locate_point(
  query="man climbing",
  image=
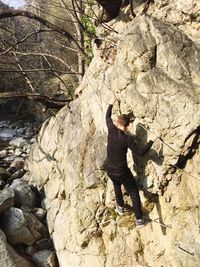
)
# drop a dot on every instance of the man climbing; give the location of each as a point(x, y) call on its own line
point(116, 164)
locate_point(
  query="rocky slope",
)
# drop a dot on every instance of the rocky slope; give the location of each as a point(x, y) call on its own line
point(152, 64)
point(24, 238)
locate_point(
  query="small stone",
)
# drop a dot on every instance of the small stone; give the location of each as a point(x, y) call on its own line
point(28, 150)
point(21, 130)
point(168, 199)
point(3, 153)
point(18, 142)
point(10, 158)
point(45, 258)
point(18, 152)
point(11, 152)
point(40, 213)
point(27, 147)
point(33, 140)
point(7, 197)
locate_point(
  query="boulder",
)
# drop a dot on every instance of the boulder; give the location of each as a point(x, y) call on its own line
point(22, 228)
point(9, 257)
point(23, 192)
point(7, 198)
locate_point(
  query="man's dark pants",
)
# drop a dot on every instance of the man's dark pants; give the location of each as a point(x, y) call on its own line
point(128, 181)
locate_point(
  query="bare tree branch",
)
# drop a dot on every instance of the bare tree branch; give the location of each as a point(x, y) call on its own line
point(64, 46)
point(46, 55)
point(24, 13)
point(28, 81)
point(51, 15)
point(22, 41)
point(48, 62)
point(80, 35)
point(39, 70)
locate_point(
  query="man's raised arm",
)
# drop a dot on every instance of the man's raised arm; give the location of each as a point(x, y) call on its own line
point(109, 121)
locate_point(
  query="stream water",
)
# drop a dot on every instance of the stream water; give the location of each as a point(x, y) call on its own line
point(10, 129)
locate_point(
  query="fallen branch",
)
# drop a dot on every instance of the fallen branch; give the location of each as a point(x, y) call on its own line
point(45, 100)
point(39, 70)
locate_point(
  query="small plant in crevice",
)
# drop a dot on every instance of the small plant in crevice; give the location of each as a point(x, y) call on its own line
point(113, 213)
point(113, 235)
point(87, 22)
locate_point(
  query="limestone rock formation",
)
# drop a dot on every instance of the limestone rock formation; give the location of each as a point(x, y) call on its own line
point(152, 64)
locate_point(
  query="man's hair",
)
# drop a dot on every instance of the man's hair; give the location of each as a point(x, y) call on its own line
point(123, 120)
point(126, 119)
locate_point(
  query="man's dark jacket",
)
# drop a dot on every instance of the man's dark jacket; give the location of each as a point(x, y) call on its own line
point(117, 146)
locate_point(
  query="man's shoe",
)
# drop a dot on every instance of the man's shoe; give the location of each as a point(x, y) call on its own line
point(119, 209)
point(142, 222)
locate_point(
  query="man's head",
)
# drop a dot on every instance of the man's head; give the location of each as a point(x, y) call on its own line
point(123, 120)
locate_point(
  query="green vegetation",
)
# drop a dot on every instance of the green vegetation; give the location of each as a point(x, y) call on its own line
point(112, 235)
point(87, 22)
point(113, 213)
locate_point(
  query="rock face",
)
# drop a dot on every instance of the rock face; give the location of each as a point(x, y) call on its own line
point(153, 67)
